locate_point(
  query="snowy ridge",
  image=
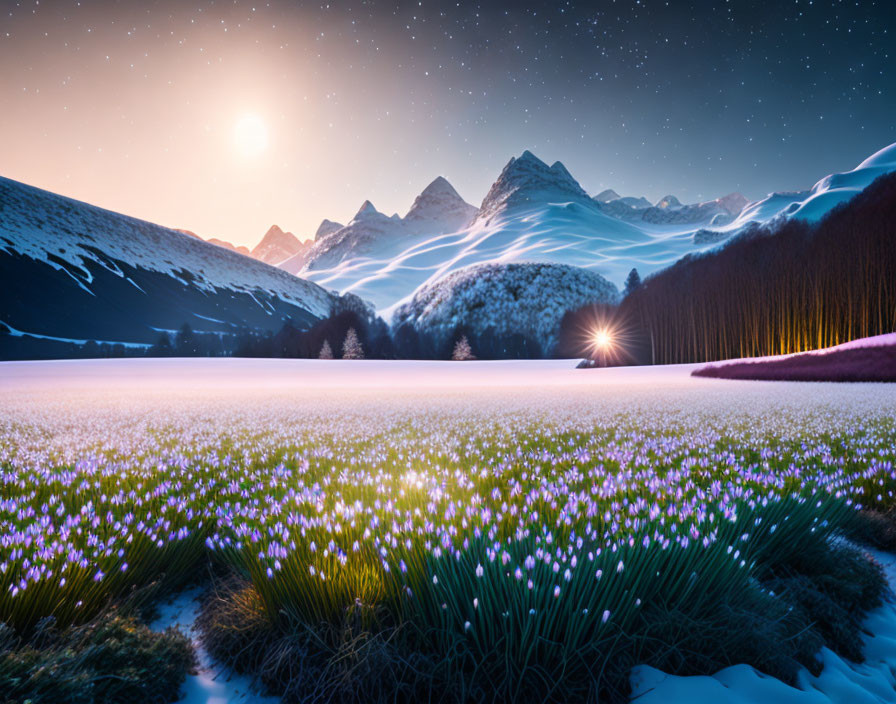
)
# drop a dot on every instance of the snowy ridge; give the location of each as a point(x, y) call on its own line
point(521, 298)
point(66, 234)
point(824, 195)
point(536, 212)
point(439, 209)
point(671, 211)
point(714, 212)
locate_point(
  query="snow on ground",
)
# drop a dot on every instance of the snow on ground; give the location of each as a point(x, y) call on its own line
point(219, 374)
point(211, 684)
point(871, 682)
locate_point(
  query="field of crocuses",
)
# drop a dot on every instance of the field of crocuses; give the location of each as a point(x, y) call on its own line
point(531, 540)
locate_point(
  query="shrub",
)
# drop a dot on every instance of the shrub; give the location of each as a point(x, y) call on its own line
point(112, 659)
point(357, 658)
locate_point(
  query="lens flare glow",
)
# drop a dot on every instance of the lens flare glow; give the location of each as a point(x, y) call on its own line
point(603, 339)
point(251, 135)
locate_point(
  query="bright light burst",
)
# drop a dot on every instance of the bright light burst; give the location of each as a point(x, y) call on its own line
point(603, 339)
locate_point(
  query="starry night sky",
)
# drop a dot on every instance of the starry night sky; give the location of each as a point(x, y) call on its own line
point(132, 106)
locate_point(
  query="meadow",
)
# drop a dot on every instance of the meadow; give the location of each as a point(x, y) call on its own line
point(505, 532)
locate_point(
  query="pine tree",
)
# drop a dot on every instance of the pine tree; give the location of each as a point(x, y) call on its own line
point(462, 351)
point(632, 283)
point(351, 348)
point(326, 352)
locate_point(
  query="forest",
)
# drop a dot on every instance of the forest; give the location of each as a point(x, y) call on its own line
point(787, 287)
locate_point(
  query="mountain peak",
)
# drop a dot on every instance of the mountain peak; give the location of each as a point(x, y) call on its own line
point(606, 196)
point(440, 185)
point(529, 156)
point(669, 201)
point(325, 228)
point(559, 168)
point(440, 203)
point(276, 245)
point(276, 236)
point(733, 202)
point(527, 179)
point(366, 209)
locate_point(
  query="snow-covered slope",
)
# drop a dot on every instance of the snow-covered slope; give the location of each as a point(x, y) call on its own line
point(533, 212)
point(827, 193)
point(509, 299)
point(437, 210)
point(72, 270)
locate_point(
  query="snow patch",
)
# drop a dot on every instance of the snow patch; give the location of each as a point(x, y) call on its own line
point(212, 683)
point(840, 681)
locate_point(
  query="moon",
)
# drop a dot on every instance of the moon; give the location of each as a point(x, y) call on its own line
point(250, 135)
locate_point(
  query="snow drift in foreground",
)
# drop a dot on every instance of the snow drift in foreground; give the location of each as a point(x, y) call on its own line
point(871, 682)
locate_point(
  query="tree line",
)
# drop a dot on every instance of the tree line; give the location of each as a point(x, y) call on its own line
point(788, 287)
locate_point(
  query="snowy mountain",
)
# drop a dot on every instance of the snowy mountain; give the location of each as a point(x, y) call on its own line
point(526, 299)
point(437, 210)
point(721, 211)
point(536, 212)
point(73, 271)
point(277, 246)
point(606, 196)
point(527, 181)
point(669, 201)
point(532, 212)
point(670, 211)
point(639, 203)
point(326, 227)
point(361, 236)
point(827, 193)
